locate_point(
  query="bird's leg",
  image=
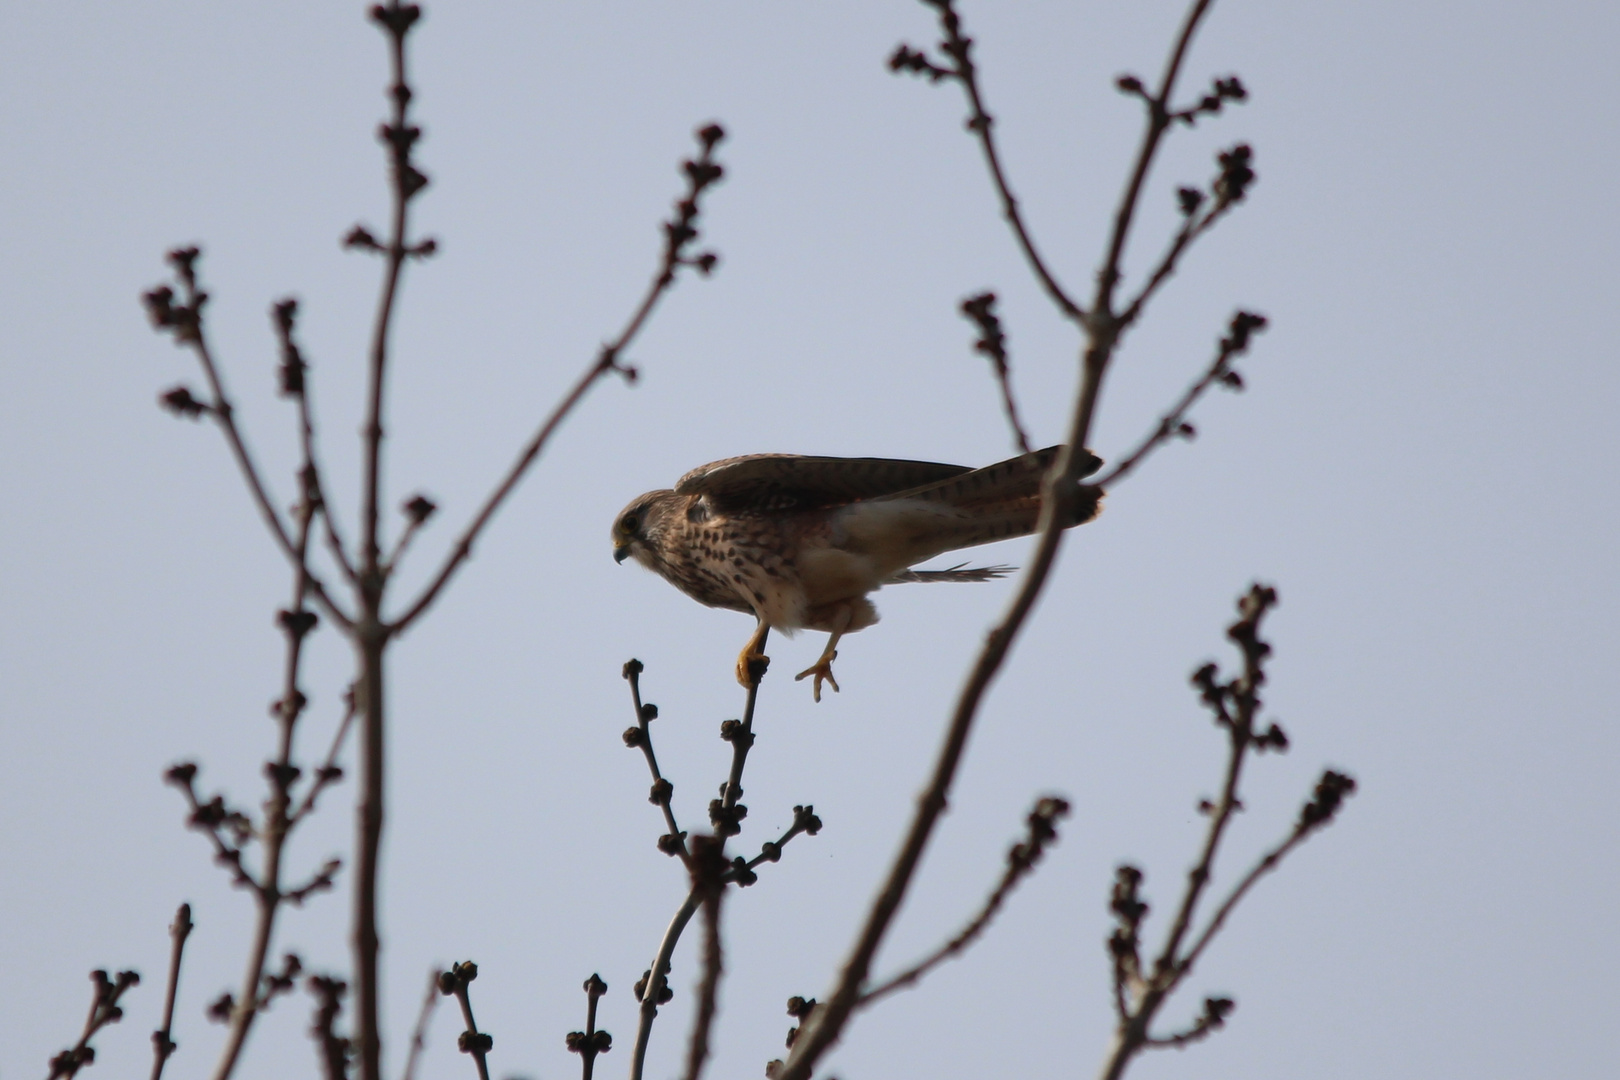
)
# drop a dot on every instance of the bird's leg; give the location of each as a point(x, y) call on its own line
point(822, 668)
point(753, 654)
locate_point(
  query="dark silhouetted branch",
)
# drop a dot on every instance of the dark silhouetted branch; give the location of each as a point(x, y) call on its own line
point(1021, 859)
point(163, 1044)
point(1174, 424)
point(471, 1040)
point(680, 232)
point(590, 1042)
point(959, 67)
point(639, 737)
point(1059, 489)
point(1235, 706)
point(104, 1010)
point(981, 309)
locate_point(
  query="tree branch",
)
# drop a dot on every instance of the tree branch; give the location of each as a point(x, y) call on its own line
point(961, 69)
point(471, 1041)
point(590, 1042)
point(1021, 860)
point(672, 842)
point(104, 1010)
point(1061, 483)
point(679, 234)
point(163, 1044)
point(1173, 424)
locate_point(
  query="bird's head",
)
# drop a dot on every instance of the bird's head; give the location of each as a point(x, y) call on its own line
point(638, 526)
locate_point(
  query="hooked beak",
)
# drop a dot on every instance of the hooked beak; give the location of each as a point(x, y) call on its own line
point(621, 552)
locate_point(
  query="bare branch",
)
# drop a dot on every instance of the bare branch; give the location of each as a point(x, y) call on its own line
point(185, 321)
point(709, 871)
point(1331, 790)
point(993, 344)
point(672, 842)
point(471, 1041)
point(1216, 1010)
point(1060, 487)
point(335, 1049)
point(104, 1010)
point(804, 821)
point(1173, 424)
point(590, 1042)
point(329, 772)
point(430, 1002)
point(679, 234)
point(163, 1044)
point(295, 384)
point(1021, 859)
point(960, 67)
point(652, 989)
point(1230, 187)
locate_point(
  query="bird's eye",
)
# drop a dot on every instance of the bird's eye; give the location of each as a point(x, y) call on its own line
point(629, 523)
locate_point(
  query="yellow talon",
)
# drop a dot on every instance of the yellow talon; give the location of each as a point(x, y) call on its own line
point(752, 656)
point(821, 670)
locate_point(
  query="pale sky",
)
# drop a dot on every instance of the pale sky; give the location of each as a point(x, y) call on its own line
point(1424, 466)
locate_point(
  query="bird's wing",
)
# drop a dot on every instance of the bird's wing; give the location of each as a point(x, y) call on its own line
point(1016, 478)
point(762, 482)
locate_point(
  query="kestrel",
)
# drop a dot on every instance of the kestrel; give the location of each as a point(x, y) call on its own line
point(799, 542)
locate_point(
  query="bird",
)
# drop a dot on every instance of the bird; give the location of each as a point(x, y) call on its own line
point(800, 542)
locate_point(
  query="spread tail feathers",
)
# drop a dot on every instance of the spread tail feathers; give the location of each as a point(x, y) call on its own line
point(955, 573)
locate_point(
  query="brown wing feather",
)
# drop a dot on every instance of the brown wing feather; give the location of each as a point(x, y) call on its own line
point(795, 481)
point(1016, 478)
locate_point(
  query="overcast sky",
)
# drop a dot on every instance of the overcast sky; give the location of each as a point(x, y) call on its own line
point(1424, 465)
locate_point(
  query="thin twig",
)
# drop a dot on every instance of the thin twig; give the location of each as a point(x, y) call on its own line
point(1235, 705)
point(185, 321)
point(104, 1010)
point(1173, 424)
point(1060, 487)
point(329, 772)
point(959, 49)
point(981, 309)
point(471, 1041)
point(679, 234)
point(672, 842)
point(296, 623)
point(1021, 859)
point(804, 821)
point(1336, 785)
point(590, 1042)
point(725, 813)
point(295, 383)
point(430, 1002)
point(163, 1044)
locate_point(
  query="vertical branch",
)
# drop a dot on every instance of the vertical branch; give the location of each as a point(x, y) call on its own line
point(709, 868)
point(371, 632)
point(590, 1042)
point(163, 1044)
point(471, 1041)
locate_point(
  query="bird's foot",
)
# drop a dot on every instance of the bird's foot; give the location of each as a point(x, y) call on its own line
point(751, 665)
point(822, 669)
